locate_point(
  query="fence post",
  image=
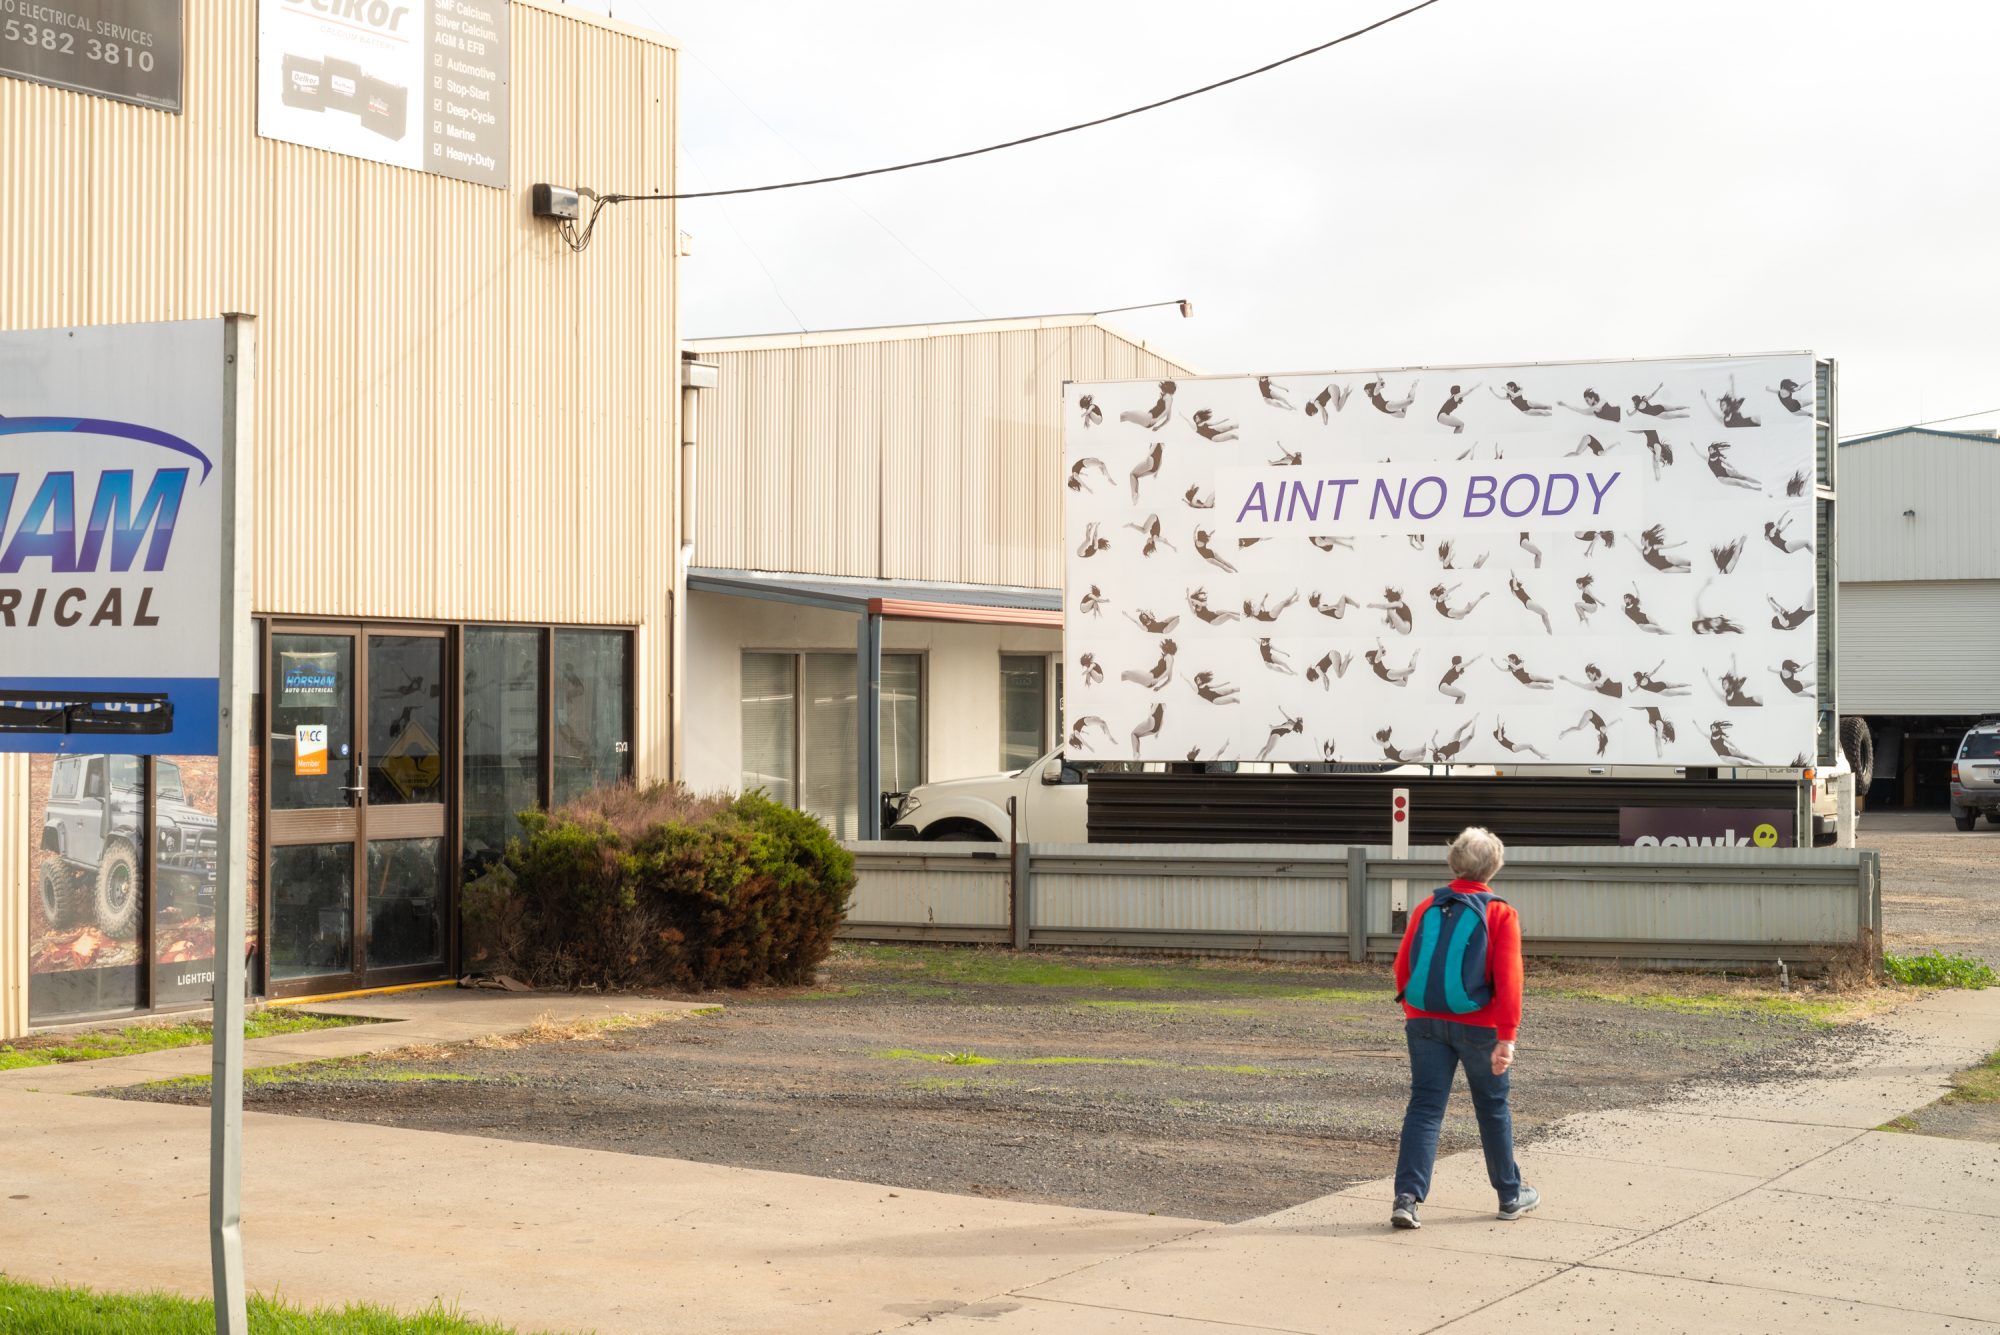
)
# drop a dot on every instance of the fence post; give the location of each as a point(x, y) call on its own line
point(1874, 863)
point(1357, 903)
point(1024, 893)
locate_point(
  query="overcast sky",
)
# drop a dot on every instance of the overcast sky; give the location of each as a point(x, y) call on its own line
point(1485, 181)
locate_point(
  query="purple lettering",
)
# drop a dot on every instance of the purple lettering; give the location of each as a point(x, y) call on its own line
point(1418, 486)
point(1549, 496)
point(1534, 494)
point(1340, 495)
point(1299, 501)
point(1255, 501)
point(1475, 491)
point(1597, 493)
point(1381, 499)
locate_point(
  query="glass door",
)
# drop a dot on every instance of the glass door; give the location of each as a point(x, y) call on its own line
point(358, 780)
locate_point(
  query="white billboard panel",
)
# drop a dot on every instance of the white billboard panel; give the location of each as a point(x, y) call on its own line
point(1582, 563)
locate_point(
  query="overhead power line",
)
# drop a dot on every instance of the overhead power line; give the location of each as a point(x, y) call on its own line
point(1932, 421)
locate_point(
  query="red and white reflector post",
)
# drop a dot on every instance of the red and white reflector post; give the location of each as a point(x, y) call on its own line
point(1399, 847)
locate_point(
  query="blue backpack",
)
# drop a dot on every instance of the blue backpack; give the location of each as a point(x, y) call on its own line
point(1449, 974)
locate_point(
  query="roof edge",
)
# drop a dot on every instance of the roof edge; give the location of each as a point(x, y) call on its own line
point(1919, 431)
point(595, 20)
point(882, 333)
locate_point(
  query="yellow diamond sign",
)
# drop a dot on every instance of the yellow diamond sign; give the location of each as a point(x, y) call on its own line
point(413, 762)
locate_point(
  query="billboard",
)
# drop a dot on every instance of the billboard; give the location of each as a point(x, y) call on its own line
point(1582, 563)
point(1706, 827)
point(413, 83)
point(112, 481)
point(128, 50)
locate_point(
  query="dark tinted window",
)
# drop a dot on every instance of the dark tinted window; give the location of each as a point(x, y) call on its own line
point(1980, 746)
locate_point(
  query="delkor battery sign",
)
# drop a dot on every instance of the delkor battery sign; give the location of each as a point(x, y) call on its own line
point(1583, 563)
point(111, 503)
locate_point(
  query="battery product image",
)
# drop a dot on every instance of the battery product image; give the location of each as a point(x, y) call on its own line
point(384, 108)
point(343, 85)
point(305, 83)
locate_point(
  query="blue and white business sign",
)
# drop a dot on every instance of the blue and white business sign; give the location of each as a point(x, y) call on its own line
point(111, 542)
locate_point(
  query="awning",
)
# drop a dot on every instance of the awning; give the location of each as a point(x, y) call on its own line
point(897, 600)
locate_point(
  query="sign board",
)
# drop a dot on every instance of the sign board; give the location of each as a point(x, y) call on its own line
point(1583, 563)
point(1706, 827)
point(309, 751)
point(413, 762)
point(112, 483)
point(128, 50)
point(308, 680)
point(410, 83)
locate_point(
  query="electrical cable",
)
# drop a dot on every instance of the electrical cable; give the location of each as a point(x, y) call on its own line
point(603, 200)
point(1932, 421)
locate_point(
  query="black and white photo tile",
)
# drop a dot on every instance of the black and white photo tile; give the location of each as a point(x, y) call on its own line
point(1686, 637)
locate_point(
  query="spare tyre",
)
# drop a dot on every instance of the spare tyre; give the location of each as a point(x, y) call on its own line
point(1858, 745)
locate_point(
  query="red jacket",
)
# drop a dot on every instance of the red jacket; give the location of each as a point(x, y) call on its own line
point(1503, 955)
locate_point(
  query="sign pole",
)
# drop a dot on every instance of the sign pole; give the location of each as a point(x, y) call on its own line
point(225, 1130)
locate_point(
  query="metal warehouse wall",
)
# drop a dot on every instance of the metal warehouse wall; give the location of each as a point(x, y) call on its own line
point(910, 453)
point(1951, 481)
point(1920, 648)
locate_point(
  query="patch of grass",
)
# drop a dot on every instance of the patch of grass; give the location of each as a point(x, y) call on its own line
point(334, 1070)
point(1938, 969)
point(588, 1029)
point(1006, 969)
point(1783, 1006)
point(132, 1039)
point(31, 1309)
point(1979, 1084)
point(945, 1084)
point(974, 1059)
point(1201, 1008)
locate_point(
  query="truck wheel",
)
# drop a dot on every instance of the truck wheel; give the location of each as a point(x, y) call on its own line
point(65, 902)
point(1859, 746)
point(961, 835)
point(1965, 822)
point(118, 891)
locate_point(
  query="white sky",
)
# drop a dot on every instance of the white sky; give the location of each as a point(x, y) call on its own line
point(1486, 181)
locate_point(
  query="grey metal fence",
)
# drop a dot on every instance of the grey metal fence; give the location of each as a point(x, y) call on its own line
point(1686, 906)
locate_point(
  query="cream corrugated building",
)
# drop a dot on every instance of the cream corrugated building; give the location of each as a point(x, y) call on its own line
point(466, 470)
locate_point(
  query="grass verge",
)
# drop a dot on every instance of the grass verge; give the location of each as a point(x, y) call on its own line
point(31, 1309)
point(974, 1059)
point(1940, 970)
point(1975, 1084)
point(132, 1039)
point(334, 1070)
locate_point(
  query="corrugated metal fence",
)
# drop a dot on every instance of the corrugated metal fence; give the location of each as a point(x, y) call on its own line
point(1687, 906)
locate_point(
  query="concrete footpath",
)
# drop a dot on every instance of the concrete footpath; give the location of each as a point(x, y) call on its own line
point(1730, 1210)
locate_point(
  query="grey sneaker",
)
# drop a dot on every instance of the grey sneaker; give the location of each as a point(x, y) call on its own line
point(1405, 1213)
point(1521, 1204)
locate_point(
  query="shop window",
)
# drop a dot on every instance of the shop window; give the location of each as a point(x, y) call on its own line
point(503, 739)
point(591, 689)
point(770, 726)
point(1024, 709)
point(86, 919)
point(799, 730)
point(902, 722)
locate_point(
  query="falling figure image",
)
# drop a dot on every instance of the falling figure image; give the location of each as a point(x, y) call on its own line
point(1150, 727)
point(1590, 445)
point(1151, 528)
point(1197, 499)
point(1092, 603)
point(1330, 749)
point(1596, 723)
point(1275, 659)
point(1643, 404)
point(1788, 394)
point(1796, 484)
point(1518, 748)
point(1712, 625)
point(1447, 554)
point(1157, 416)
point(1727, 555)
point(1215, 692)
point(1376, 390)
point(1207, 553)
point(1520, 593)
point(1263, 611)
point(1730, 688)
point(1650, 682)
point(1519, 670)
point(1728, 408)
point(1445, 754)
point(1726, 472)
point(1092, 414)
point(1662, 452)
point(1331, 607)
point(1328, 544)
point(1198, 604)
point(1331, 664)
point(1788, 618)
point(1093, 671)
point(1654, 550)
point(1531, 550)
point(1594, 406)
point(1636, 614)
point(1448, 683)
point(1274, 395)
point(1394, 676)
point(1145, 468)
point(1152, 624)
point(1441, 599)
point(1279, 731)
point(1079, 730)
point(1395, 612)
point(1077, 482)
point(1788, 673)
point(1593, 540)
point(1285, 459)
point(1516, 396)
point(1210, 427)
point(1384, 736)
point(1092, 544)
point(1587, 601)
point(1595, 680)
point(1718, 737)
point(1774, 533)
point(1316, 406)
point(1162, 672)
point(1662, 726)
point(1447, 414)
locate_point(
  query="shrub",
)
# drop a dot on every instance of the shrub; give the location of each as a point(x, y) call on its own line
point(656, 887)
point(1940, 970)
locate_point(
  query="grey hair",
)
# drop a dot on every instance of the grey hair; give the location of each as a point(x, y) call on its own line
point(1476, 855)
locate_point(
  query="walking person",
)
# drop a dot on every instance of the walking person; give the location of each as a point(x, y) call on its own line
point(1458, 975)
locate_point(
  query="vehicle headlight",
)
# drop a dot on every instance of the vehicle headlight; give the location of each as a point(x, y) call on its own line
point(907, 805)
point(170, 840)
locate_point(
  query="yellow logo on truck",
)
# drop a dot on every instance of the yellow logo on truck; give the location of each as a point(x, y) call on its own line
point(1765, 836)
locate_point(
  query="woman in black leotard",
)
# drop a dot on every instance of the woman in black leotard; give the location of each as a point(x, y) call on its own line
point(1198, 604)
point(1587, 601)
point(1712, 625)
point(1518, 670)
point(1516, 396)
point(1448, 684)
point(1788, 394)
point(1728, 408)
point(1730, 688)
point(1500, 736)
point(1445, 754)
point(1447, 414)
point(1663, 727)
point(1520, 592)
point(1725, 472)
point(1643, 403)
point(1588, 445)
point(1774, 533)
point(1316, 406)
point(1594, 406)
point(1156, 417)
point(1595, 680)
point(1662, 452)
point(1383, 735)
point(1375, 390)
point(1273, 394)
point(1441, 599)
point(1654, 550)
point(1332, 664)
point(1395, 611)
point(1094, 415)
point(1331, 607)
point(1650, 682)
point(1209, 427)
point(1636, 614)
point(1093, 671)
point(1597, 723)
point(1788, 673)
point(1787, 618)
point(1394, 676)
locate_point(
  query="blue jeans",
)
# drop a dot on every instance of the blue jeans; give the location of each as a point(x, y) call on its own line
point(1437, 1047)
